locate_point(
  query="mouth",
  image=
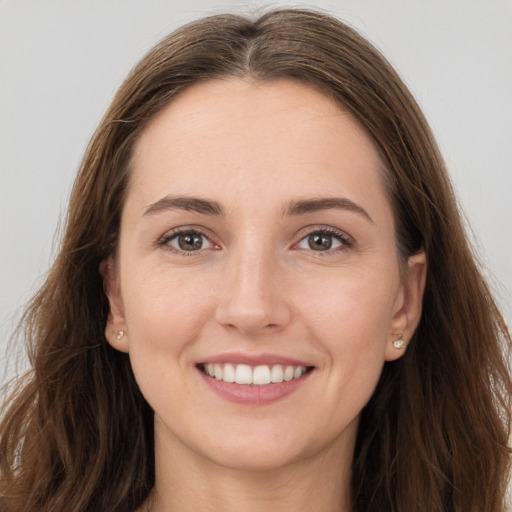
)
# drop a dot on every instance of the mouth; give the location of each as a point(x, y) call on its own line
point(260, 375)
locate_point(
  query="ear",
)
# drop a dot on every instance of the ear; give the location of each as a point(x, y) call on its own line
point(407, 314)
point(115, 330)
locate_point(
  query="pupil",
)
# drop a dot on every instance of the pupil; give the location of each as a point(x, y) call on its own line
point(320, 242)
point(190, 242)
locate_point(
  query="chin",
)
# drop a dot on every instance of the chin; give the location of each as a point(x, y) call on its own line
point(253, 459)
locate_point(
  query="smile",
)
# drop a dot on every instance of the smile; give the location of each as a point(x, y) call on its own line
point(260, 375)
point(254, 380)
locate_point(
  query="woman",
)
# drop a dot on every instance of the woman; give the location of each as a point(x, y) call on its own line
point(264, 232)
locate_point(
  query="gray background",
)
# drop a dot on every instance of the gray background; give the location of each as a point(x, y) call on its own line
point(61, 62)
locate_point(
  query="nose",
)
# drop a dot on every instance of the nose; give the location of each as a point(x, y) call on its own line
point(253, 299)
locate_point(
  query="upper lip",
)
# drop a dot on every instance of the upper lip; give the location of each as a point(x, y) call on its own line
point(253, 359)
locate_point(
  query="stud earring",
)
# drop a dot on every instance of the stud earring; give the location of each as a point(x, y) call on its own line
point(400, 342)
point(118, 334)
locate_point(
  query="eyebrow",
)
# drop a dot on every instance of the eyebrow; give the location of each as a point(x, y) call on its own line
point(328, 203)
point(194, 204)
point(294, 208)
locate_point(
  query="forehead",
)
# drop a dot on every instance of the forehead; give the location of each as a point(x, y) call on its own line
point(240, 133)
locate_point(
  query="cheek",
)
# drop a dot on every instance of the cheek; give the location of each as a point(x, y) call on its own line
point(353, 302)
point(349, 318)
point(164, 314)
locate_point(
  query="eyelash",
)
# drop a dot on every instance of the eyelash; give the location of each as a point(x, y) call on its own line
point(345, 240)
point(169, 236)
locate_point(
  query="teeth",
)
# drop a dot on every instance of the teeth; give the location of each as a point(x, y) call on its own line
point(296, 374)
point(259, 375)
point(276, 374)
point(243, 374)
point(229, 373)
point(288, 373)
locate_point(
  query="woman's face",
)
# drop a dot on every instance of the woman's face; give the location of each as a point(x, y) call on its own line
point(257, 243)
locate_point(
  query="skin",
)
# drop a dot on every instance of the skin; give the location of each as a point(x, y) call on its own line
point(257, 286)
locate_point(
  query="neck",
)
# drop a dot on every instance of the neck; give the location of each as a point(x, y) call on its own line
point(186, 481)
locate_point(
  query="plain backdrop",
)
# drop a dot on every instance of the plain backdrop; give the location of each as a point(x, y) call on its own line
point(61, 62)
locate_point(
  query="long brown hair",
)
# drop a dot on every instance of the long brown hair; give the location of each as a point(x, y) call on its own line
point(76, 433)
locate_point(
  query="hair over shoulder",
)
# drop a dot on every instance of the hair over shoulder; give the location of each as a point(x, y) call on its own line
point(77, 435)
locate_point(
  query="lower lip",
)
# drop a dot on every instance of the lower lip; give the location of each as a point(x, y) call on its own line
point(251, 394)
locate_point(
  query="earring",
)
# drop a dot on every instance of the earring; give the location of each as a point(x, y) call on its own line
point(400, 342)
point(118, 334)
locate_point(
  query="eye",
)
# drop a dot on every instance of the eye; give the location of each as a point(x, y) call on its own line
point(188, 241)
point(323, 241)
